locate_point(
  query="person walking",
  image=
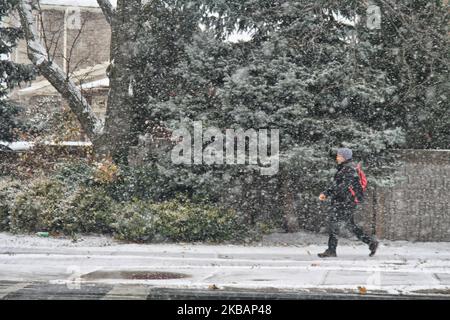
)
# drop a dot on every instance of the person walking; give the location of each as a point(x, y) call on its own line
point(343, 204)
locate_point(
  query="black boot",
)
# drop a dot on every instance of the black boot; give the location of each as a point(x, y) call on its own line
point(373, 246)
point(327, 254)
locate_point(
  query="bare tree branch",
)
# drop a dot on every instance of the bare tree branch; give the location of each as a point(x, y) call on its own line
point(92, 125)
point(43, 33)
point(72, 47)
point(107, 9)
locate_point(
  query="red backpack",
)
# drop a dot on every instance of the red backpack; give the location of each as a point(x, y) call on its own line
point(360, 185)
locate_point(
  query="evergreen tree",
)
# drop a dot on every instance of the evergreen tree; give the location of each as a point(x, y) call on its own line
point(11, 74)
point(413, 52)
point(165, 28)
point(300, 74)
point(312, 69)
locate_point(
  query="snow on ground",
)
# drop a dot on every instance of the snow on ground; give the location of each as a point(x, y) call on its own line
point(102, 83)
point(303, 238)
point(32, 241)
point(286, 262)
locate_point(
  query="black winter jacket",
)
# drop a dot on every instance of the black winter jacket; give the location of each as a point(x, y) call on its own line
point(343, 180)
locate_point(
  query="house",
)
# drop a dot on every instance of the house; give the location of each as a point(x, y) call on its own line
point(77, 37)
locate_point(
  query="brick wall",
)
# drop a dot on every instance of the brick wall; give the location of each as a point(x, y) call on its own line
point(418, 208)
point(93, 45)
point(92, 34)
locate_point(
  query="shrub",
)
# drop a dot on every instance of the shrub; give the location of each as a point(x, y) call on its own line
point(50, 205)
point(57, 207)
point(8, 190)
point(182, 220)
point(90, 210)
point(136, 222)
point(157, 183)
point(177, 220)
point(106, 172)
point(38, 207)
point(144, 183)
point(75, 173)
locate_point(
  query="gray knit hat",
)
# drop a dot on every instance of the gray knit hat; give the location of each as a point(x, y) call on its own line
point(346, 153)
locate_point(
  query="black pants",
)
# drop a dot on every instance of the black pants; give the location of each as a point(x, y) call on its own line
point(343, 213)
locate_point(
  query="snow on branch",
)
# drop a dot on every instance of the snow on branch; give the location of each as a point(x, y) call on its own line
point(90, 123)
point(107, 9)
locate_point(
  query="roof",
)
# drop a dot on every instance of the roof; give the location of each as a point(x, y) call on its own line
point(93, 77)
point(75, 3)
point(102, 83)
point(26, 145)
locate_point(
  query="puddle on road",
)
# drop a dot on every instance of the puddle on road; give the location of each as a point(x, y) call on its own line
point(133, 275)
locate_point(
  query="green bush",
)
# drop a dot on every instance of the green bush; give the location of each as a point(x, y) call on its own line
point(38, 207)
point(90, 210)
point(136, 222)
point(177, 220)
point(153, 183)
point(144, 183)
point(75, 173)
point(50, 205)
point(182, 220)
point(8, 190)
point(57, 207)
point(156, 183)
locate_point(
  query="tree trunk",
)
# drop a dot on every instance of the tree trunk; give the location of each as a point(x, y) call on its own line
point(115, 138)
point(118, 136)
point(91, 125)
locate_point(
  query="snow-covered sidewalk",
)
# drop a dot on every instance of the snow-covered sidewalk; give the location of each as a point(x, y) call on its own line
point(281, 262)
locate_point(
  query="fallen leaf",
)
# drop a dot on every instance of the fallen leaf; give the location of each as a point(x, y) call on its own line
point(362, 290)
point(213, 287)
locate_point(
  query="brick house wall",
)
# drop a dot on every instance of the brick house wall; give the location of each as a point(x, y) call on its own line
point(418, 207)
point(64, 26)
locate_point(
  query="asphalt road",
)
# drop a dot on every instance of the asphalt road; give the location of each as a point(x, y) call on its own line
point(33, 268)
point(47, 291)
